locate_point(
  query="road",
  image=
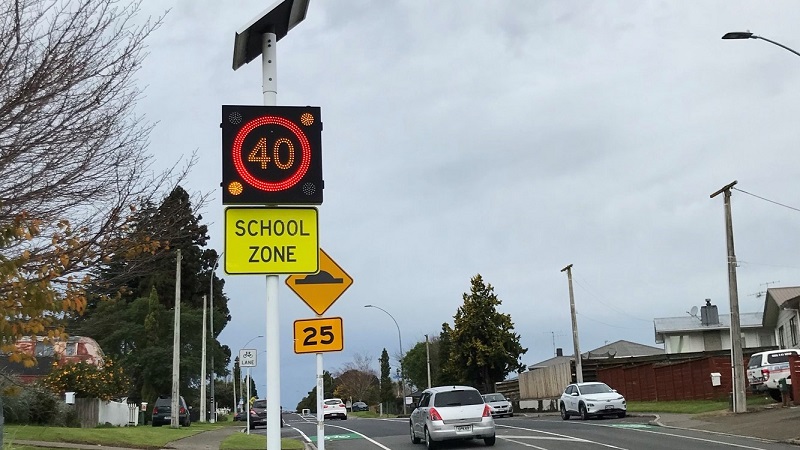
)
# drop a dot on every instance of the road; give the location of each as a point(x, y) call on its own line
point(521, 433)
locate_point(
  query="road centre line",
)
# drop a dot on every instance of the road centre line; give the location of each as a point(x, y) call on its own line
point(559, 436)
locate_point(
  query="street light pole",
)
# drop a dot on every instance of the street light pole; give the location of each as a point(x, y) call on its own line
point(211, 327)
point(749, 35)
point(400, 338)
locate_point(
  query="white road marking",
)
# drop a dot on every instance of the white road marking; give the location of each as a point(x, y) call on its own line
point(554, 436)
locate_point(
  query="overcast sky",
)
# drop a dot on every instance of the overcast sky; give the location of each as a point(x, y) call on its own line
point(507, 139)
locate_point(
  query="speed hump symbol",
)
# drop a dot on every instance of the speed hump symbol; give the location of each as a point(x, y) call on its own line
point(320, 290)
point(324, 334)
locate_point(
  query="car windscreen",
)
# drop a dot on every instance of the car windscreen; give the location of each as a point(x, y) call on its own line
point(333, 402)
point(595, 389)
point(260, 404)
point(494, 397)
point(458, 398)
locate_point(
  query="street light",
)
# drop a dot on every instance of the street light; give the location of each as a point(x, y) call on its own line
point(211, 327)
point(749, 35)
point(402, 374)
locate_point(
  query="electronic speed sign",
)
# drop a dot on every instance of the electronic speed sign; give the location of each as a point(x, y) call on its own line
point(271, 155)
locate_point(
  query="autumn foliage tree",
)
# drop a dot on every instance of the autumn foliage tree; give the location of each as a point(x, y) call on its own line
point(88, 380)
point(73, 159)
point(357, 380)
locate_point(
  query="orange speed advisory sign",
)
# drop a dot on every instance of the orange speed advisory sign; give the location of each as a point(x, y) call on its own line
point(323, 334)
point(320, 290)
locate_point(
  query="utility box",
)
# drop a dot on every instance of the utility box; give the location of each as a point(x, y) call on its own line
point(716, 378)
point(69, 398)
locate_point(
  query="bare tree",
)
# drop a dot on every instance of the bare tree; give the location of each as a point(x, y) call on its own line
point(73, 159)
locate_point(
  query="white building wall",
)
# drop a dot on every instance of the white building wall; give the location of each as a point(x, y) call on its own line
point(686, 343)
point(785, 320)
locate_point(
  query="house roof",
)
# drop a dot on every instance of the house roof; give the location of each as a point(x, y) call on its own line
point(622, 349)
point(778, 299)
point(618, 349)
point(673, 325)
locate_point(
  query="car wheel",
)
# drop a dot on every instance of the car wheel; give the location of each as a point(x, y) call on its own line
point(775, 394)
point(564, 413)
point(414, 438)
point(489, 441)
point(430, 444)
point(621, 415)
point(511, 414)
point(584, 413)
point(344, 418)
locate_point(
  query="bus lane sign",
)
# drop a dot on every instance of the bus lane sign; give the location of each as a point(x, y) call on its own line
point(264, 240)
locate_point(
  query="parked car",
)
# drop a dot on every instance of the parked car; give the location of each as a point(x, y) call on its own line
point(334, 407)
point(258, 414)
point(162, 412)
point(765, 369)
point(360, 406)
point(451, 412)
point(500, 407)
point(591, 399)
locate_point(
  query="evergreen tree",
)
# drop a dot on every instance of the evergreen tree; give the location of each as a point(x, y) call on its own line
point(140, 286)
point(484, 348)
point(310, 400)
point(415, 364)
point(386, 390)
point(448, 372)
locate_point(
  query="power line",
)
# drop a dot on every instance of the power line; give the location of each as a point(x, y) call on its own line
point(597, 297)
point(766, 199)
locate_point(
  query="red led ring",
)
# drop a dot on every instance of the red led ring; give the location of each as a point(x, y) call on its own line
point(266, 185)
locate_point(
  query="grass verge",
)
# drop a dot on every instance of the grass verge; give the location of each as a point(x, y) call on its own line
point(134, 437)
point(242, 441)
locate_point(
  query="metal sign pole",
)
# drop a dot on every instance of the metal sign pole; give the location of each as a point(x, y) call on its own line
point(320, 398)
point(270, 92)
point(246, 408)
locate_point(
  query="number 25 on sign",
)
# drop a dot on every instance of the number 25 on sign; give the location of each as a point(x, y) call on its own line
point(323, 334)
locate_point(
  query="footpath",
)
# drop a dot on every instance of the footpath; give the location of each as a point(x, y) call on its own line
point(771, 423)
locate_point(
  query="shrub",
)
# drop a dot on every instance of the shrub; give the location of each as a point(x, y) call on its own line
point(88, 380)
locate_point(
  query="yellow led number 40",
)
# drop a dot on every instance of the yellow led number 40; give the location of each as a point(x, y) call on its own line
point(323, 334)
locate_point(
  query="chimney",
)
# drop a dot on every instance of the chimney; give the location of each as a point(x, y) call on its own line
point(709, 314)
point(559, 352)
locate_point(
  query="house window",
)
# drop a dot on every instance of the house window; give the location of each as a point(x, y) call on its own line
point(781, 341)
point(793, 330)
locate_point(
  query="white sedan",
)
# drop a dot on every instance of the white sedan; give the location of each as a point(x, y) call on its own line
point(591, 399)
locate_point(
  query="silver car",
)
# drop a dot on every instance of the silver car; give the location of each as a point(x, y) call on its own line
point(451, 412)
point(499, 405)
point(591, 399)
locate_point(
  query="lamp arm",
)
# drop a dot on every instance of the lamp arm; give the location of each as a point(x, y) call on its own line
point(776, 43)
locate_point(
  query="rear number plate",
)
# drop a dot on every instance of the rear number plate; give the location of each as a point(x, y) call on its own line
point(463, 428)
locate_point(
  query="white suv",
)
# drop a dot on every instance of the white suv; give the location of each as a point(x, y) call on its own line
point(334, 407)
point(766, 368)
point(451, 412)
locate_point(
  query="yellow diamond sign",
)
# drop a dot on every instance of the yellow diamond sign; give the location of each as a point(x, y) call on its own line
point(320, 290)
